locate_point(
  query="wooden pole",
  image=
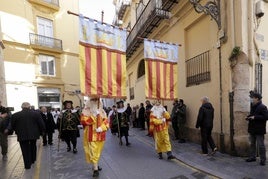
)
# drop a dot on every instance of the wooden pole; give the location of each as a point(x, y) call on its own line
point(102, 16)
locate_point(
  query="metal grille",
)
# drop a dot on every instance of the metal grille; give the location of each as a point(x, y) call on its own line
point(45, 41)
point(198, 69)
point(258, 77)
point(131, 93)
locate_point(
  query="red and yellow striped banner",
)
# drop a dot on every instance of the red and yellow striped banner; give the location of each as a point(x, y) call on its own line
point(102, 71)
point(161, 79)
point(102, 59)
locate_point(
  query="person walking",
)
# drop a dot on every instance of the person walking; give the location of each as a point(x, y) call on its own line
point(257, 128)
point(159, 118)
point(67, 125)
point(50, 126)
point(4, 124)
point(29, 126)
point(141, 117)
point(181, 121)
point(95, 123)
point(174, 118)
point(205, 122)
point(122, 117)
point(148, 108)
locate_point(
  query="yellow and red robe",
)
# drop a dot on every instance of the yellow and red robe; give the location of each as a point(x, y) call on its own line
point(160, 132)
point(94, 141)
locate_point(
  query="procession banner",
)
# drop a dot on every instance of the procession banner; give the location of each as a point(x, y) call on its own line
point(102, 59)
point(161, 70)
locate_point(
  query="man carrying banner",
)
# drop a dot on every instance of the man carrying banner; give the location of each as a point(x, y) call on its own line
point(159, 128)
point(95, 123)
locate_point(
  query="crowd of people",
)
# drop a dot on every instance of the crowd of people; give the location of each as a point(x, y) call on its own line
point(29, 124)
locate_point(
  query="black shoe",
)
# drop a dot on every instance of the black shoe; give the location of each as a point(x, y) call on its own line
point(128, 144)
point(50, 143)
point(68, 149)
point(262, 162)
point(95, 173)
point(160, 156)
point(251, 160)
point(74, 150)
point(44, 144)
point(171, 157)
point(182, 141)
point(99, 168)
point(28, 167)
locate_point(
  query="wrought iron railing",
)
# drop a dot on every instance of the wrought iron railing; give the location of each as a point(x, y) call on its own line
point(122, 6)
point(152, 9)
point(45, 41)
point(198, 69)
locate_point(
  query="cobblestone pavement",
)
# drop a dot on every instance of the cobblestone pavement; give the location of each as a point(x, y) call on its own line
point(139, 161)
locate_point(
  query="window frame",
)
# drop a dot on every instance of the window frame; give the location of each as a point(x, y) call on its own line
point(45, 58)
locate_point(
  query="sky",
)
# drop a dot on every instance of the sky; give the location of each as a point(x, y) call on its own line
point(93, 8)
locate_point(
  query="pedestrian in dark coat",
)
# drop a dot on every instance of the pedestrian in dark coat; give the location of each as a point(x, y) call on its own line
point(4, 124)
point(141, 117)
point(205, 122)
point(29, 126)
point(257, 128)
point(50, 126)
point(67, 125)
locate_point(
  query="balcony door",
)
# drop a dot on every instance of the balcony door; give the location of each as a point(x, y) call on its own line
point(45, 31)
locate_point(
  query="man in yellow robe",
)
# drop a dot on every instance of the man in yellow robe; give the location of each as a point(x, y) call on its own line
point(159, 118)
point(95, 123)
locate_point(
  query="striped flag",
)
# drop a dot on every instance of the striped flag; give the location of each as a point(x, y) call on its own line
point(161, 70)
point(102, 59)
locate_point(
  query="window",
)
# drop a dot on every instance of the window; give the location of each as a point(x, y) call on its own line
point(141, 68)
point(47, 65)
point(45, 31)
point(198, 69)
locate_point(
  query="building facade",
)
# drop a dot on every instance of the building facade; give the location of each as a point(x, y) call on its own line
point(41, 52)
point(223, 55)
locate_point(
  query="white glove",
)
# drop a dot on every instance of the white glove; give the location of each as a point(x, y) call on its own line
point(99, 129)
point(163, 120)
point(95, 113)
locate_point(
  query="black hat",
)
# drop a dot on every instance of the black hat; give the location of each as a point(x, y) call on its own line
point(4, 110)
point(121, 101)
point(66, 102)
point(257, 95)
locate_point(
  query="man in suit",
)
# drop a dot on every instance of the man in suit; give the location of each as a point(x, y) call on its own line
point(50, 126)
point(28, 125)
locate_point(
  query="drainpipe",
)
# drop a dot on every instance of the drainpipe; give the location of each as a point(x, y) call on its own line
point(231, 106)
point(250, 34)
point(231, 94)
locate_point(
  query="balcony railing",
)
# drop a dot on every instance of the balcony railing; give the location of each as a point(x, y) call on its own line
point(150, 17)
point(44, 41)
point(51, 4)
point(198, 69)
point(54, 2)
point(122, 7)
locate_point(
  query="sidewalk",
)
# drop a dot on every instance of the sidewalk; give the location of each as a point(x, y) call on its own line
point(220, 165)
point(52, 164)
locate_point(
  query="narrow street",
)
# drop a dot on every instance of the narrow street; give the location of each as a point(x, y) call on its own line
point(139, 161)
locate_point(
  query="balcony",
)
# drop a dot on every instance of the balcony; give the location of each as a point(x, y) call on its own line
point(122, 6)
point(50, 4)
point(198, 69)
point(41, 42)
point(150, 17)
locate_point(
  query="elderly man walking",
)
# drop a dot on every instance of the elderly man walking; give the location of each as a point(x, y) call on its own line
point(29, 126)
point(205, 122)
